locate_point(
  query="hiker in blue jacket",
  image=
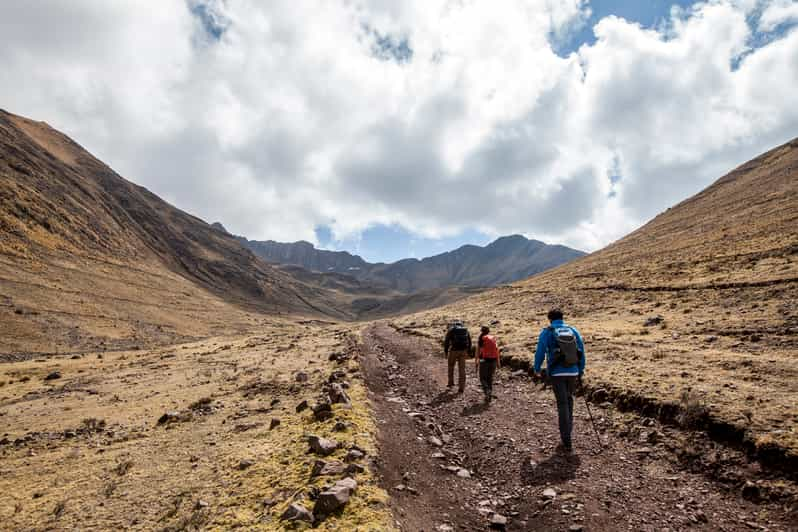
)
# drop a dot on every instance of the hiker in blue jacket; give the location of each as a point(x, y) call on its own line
point(562, 347)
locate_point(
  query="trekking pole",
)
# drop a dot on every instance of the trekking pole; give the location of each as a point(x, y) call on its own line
point(590, 414)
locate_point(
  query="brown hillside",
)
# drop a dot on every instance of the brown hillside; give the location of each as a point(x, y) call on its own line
point(90, 259)
point(693, 312)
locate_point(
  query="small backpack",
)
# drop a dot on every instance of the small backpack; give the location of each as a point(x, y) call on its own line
point(566, 353)
point(490, 351)
point(459, 338)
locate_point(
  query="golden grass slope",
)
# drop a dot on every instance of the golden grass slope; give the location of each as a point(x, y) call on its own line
point(91, 454)
point(720, 269)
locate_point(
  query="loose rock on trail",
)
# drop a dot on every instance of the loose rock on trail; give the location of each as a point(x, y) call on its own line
point(451, 462)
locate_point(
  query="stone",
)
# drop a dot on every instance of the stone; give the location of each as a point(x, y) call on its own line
point(354, 455)
point(302, 406)
point(246, 463)
point(435, 441)
point(463, 473)
point(322, 468)
point(655, 320)
point(549, 493)
point(354, 469)
point(575, 528)
point(498, 522)
point(53, 375)
point(322, 446)
point(340, 426)
point(297, 512)
point(711, 338)
point(334, 498)
point(336, 376)
point(274, 423)
point(301, 376)
point(338, 395)
point(171, 417)
point(750, 491)
point(201, 504)
point(322, 411)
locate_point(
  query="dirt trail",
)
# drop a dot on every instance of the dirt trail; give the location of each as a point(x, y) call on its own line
point(507, 455)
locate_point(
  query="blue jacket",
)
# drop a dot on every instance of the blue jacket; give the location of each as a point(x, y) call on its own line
point(547, 343)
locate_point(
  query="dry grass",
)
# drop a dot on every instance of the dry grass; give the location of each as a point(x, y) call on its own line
point(96, 457)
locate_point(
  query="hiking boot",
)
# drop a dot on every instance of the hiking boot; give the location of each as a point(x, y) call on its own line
point(566, 448)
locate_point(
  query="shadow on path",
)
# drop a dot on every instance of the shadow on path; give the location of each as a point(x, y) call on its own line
point(446, 396)
point(555, 469)
point(474, 409)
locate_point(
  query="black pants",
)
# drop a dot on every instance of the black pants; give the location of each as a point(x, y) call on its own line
point(564, 389)
point(487, 367)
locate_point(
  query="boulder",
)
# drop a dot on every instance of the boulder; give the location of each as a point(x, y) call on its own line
point(498, 522)
point(297, 512)
point(322, 411)
point(322, 446)
point(301, 376)
point(338, 395)
point(322, 468)
point(302, 406)
point(246, 464)
point(354, 455)
point(334, 498)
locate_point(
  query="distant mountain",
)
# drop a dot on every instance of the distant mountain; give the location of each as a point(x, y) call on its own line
point(505, 260)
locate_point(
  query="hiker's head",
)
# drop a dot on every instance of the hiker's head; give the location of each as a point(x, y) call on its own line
point(485, 329)
point(555, 314)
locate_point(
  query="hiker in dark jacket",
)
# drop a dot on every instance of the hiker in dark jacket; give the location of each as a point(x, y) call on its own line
point(456, 345)
point(562, 347)
point(487, 361)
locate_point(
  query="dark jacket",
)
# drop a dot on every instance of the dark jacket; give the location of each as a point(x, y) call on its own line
point(449, 337)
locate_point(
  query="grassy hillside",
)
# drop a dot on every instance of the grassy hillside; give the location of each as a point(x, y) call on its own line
point(90, 260)
point(692, 313)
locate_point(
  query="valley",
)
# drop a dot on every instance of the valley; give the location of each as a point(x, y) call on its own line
point(155, 374)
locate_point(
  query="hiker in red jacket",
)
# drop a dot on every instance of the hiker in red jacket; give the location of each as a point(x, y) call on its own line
point(487, 361)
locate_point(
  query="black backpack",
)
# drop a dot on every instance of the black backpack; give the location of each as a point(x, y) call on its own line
point(459, 338)
point(567, 352)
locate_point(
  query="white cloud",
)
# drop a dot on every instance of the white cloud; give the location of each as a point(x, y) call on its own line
point(778, 12)
point(434, 115)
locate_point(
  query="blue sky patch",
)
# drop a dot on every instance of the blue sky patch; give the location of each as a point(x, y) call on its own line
point(647, 13)
point(390, 47)
point(213, 22)
point(389, 243)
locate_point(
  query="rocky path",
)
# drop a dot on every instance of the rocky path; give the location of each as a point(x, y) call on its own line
point(451, 463)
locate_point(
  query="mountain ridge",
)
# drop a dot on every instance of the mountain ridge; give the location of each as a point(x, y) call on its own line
point(506, 259)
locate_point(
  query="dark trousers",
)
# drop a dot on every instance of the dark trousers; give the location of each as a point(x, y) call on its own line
point(564, 389)
point(487, 367)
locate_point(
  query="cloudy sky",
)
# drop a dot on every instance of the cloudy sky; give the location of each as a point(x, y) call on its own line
point(407, 128)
